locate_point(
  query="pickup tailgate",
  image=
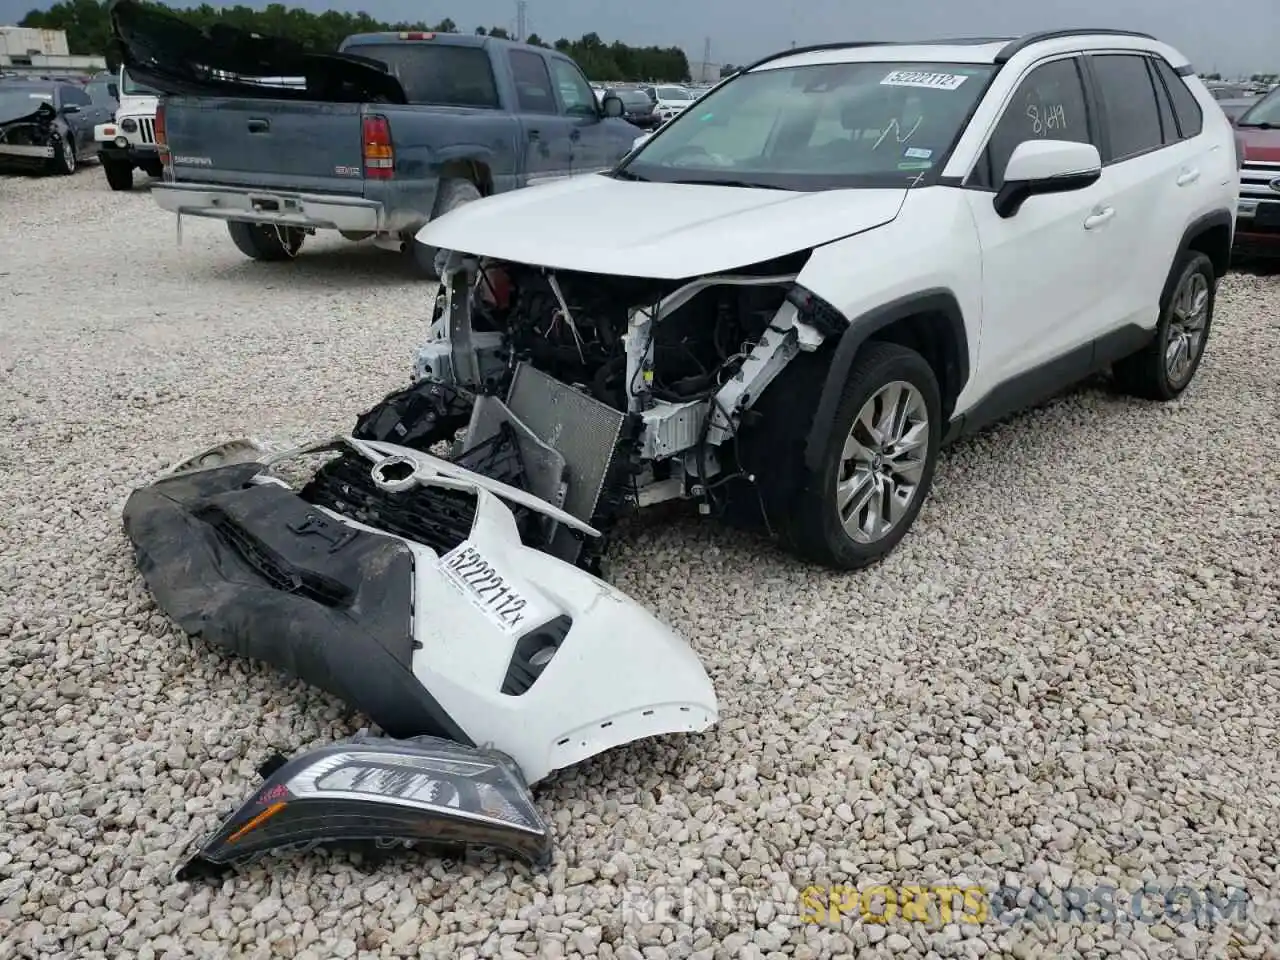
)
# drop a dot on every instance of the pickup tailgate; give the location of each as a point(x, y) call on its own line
point(280, 144)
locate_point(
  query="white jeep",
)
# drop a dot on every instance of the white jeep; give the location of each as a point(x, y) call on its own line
point(785, 301)
point(129, 141)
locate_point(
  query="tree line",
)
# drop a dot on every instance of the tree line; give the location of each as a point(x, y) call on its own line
point(88, 29)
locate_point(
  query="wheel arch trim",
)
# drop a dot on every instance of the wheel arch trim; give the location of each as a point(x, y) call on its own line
point(938, 301)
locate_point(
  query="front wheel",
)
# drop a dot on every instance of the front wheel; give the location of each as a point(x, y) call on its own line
point(119, 174)
point(64, 157)
point(1166, 365)
point(265, 241)
point(876, 461)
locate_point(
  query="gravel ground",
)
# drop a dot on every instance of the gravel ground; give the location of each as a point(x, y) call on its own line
point(1068, 675)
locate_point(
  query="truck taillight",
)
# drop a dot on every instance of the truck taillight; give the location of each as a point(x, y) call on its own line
point(379, 154)
point(416, 35)
point(162, 144)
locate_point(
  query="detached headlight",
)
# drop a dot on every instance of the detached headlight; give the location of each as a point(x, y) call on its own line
point(422, 791)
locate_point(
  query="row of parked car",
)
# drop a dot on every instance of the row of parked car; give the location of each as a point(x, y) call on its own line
point(650, 105)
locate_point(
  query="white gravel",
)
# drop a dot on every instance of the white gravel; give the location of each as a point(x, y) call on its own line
point(1068, 674)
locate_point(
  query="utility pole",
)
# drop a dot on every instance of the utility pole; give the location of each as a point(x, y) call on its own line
point(521, 19)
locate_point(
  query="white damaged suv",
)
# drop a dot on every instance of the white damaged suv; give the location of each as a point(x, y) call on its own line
point(832, 264)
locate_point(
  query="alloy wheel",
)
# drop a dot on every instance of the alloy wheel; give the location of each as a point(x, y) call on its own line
point(883, 461)
point(1188, 319)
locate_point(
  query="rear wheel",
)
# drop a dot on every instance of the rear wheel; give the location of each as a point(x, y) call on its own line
point(119, 174)
point(1165, 367)
point(453, 194)
point(265, 241)
point(876, 462)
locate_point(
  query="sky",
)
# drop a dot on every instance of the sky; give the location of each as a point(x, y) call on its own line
point(1228, 36)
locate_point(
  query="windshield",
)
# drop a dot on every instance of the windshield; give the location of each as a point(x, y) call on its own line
point(674, 93)
point(1266, 112)
point(817, 127)
point(20, 101)
point(634, 100)
point(132, 88)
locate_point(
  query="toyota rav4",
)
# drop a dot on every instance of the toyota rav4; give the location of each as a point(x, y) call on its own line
point(844, 257)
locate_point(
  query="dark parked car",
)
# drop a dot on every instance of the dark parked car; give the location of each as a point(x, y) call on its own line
point(637, 108)
point(48, 124)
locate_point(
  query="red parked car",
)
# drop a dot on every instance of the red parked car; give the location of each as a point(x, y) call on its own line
point(1258, 211)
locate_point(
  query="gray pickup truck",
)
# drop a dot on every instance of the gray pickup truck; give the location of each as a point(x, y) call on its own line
point(372, 141)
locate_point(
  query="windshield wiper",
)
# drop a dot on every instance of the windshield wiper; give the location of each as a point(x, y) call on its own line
point(745, 184)
point(628, 175)
point(1257, 124)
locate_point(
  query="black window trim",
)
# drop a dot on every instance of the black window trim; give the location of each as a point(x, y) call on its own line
point(1165, 100)
point(1108, 158)
point(983, 156)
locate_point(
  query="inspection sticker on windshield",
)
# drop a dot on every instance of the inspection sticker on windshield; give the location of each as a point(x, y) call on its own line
point(487, 589)
point(918, 78)
point(917, 153)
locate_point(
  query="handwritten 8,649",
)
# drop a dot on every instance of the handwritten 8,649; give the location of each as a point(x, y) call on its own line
point(920, 904)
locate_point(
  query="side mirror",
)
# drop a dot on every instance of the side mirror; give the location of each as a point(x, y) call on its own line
point(70, 108)
point(1046, 166)
point(612, 106)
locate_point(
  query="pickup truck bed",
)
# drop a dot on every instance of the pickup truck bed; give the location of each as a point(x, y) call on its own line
point(374, 140)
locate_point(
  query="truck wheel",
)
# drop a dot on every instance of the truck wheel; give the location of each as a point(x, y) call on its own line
point(119, 175)
point(876, 464)
point(264, 241)
point(452, 194)
point(155, 170)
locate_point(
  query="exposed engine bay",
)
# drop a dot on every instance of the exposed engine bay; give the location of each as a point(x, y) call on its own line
point(34, 135)
point(677, 363)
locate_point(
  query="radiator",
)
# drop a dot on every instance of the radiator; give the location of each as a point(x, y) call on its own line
point(584, 431)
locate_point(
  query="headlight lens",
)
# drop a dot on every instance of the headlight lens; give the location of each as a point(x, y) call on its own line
point(129, 126)
point(387, 792)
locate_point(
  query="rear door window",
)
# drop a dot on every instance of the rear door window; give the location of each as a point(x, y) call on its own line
point(533, 83)
point(1132, 113)
point(437, 74)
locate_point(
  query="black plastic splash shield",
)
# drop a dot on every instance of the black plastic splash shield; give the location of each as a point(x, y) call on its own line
point(421, 792)
point(262, 573)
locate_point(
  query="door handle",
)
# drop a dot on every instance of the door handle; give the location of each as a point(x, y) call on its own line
point(259, 126)
point(1188, 177)
point(1098, 218)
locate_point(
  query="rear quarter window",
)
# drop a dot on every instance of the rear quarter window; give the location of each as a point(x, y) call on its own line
point(437, 74)
point(1185, 105)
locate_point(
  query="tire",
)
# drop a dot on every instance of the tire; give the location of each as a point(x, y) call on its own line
point(1165, 367)
point(801, 506)
point(262, 241)
point(64, 158)
point(153, 170)
point(452, 194)
point(119, 175)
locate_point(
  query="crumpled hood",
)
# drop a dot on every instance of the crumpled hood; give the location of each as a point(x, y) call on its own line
point(597, 224)
point(1258, 144)
point(43, 112)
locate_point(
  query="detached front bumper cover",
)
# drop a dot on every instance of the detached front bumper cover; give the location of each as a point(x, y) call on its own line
point(391, 794)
